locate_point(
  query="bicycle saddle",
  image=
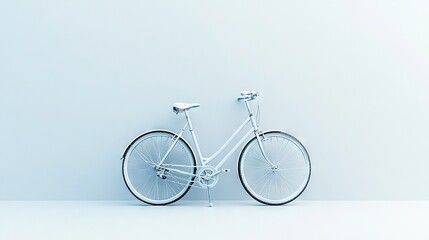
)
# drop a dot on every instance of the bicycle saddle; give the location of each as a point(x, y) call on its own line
point(180, 107)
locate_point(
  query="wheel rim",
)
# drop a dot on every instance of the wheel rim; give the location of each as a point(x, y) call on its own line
point(145, 181)
point(281, 183)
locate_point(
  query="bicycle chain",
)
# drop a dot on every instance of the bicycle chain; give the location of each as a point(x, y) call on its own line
point(184, 179)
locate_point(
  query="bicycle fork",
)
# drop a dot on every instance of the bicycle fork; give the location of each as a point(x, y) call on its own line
point(262, 148)
point(257, 135)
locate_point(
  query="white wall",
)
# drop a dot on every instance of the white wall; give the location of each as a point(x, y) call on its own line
point(79, 79)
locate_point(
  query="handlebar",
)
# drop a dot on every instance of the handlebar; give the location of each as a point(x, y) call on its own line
point(247, 96)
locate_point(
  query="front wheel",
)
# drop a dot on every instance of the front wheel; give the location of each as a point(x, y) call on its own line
point(280, 181)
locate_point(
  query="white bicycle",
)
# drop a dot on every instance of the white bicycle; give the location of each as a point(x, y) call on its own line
point(159, 166)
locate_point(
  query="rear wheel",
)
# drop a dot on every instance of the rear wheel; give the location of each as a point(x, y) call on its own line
point(282, 181)
point(158, 185)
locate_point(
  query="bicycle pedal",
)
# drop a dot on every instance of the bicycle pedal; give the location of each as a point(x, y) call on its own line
point(226, 170)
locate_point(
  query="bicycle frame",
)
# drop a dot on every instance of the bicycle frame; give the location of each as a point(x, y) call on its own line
point(206, 160)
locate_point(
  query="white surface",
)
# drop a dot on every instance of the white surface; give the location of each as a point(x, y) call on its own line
point(80, 79)
point(226, 220)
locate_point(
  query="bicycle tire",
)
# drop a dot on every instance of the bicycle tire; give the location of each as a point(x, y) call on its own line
point(281, 162)
point(140, 154)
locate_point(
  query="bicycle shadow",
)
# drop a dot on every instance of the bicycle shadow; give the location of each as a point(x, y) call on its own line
point(199, 204)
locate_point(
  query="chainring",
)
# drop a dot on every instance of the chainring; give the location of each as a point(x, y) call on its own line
point(207, 176)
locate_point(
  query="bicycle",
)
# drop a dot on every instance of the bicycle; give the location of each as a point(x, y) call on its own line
point(160, 166)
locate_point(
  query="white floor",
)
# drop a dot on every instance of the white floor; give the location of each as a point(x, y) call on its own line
point(226, 220)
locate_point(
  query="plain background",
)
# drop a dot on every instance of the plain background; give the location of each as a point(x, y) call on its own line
point(80, 79)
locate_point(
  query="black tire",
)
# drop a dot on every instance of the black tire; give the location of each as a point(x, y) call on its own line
point(303, 160)
point(139, 157)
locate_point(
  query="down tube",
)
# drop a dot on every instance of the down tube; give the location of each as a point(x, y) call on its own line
point(233, 149)
point(208, 160)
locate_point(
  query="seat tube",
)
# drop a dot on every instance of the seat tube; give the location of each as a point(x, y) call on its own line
point(194, 138)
